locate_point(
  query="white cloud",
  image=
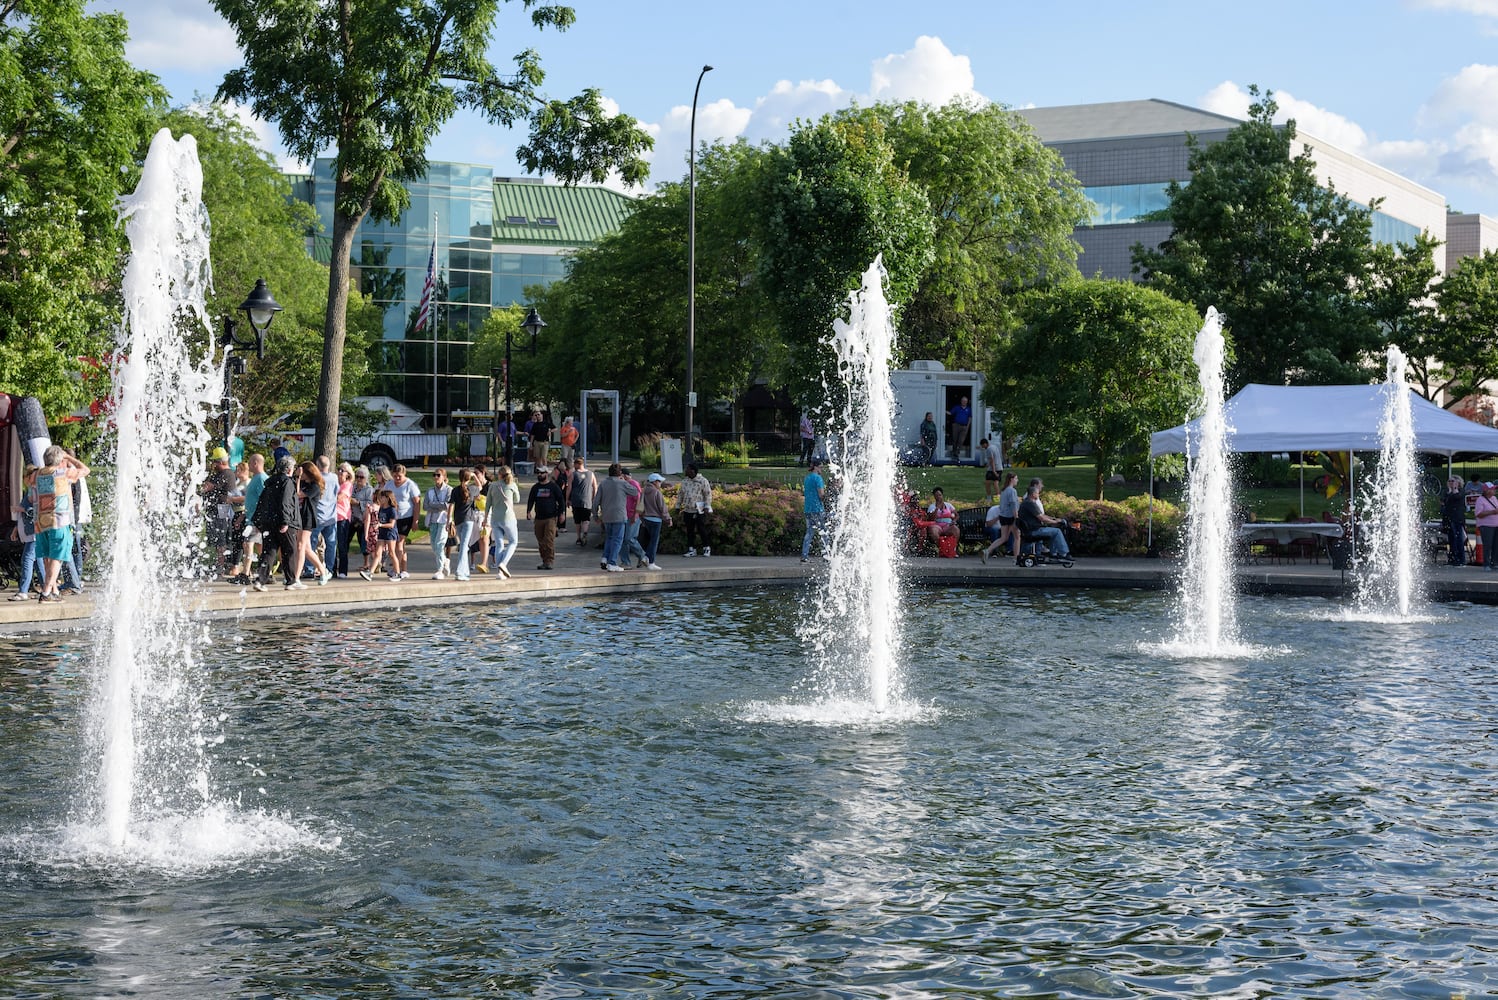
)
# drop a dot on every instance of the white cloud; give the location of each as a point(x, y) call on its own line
point(1481, 8)
point(1471, 93)
point(928, 71)
point(168, 36)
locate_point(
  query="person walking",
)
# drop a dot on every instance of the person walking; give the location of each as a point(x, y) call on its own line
point(438, 502)
point(814, 490)
point(582, 487)
point(345, 519)
point(462, 518)
point(53, 512)
point(309, 501)
point(654, 518)
point(407, 509)
point(545, 505)
point(694, 499)
point(504, 494)
point(612, 508)
point(568, 436)
point(1002, 516)
point(361, 514)
point(993, 468)
point(278, 518)
point(634, 552)
point(325, 533)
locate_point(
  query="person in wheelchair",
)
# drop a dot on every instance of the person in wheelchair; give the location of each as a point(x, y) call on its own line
point(1037, 527)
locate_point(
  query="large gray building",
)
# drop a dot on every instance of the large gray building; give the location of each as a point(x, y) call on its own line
point(1126, 153)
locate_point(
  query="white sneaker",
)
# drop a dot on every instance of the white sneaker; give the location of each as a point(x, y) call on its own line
point(299, 585)
point(652, 566)
point(259, 587)
point(444, 569)
point(366, 574)
point(614, 569)
point(503, 572)
point(441, 574)
point(327, 575)
point(404, 574)
point(706, 552)
point(689, 553)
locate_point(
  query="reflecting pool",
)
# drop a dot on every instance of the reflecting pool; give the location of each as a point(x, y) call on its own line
point(611, 800)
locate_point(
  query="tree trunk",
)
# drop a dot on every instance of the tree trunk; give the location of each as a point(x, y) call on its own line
point(335, 332)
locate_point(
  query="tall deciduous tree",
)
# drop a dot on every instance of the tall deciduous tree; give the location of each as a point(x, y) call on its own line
point(73, 112)
point(1003, 207)
point(1399, 292)
point(1105, 362)
point(1279, 253)
point(259, 231)
point(1465, 337)
point(833, 199)
point(375, 82)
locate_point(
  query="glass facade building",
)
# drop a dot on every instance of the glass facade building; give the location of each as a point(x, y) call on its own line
point(495, 237)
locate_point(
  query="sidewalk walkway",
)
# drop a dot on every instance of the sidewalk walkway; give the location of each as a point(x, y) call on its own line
point(577, 573)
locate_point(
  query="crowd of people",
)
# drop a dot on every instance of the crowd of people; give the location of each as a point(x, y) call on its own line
point(302, 520)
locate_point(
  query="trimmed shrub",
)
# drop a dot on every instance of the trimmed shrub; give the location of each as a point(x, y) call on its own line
point(753, 519)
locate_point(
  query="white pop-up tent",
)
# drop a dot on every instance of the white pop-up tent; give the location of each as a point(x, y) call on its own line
point(1289, 418)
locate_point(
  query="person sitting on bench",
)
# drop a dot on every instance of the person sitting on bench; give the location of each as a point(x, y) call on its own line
point(1038, 526)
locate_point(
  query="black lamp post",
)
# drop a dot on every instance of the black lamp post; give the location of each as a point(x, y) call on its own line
point(533, 324)
point(494, 408)
point(260, 308)
point(692, 263)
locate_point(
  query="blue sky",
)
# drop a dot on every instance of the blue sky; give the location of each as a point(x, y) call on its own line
point(1409, 84)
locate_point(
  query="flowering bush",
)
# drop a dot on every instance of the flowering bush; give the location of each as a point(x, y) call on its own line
point(1109, 528)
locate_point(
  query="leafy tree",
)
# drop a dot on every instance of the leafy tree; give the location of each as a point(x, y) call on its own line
point(1104, 362)
point(375, 82)
point(260, 232)
point(1399, 295)
point(1464, 338)
point(1278, 253)
point(619, 318)
point(72, 113)
point(832, 200)
point(1003, 207)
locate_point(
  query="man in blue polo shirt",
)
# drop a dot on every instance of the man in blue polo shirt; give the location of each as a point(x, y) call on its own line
point(962, 418)
point(815, 508)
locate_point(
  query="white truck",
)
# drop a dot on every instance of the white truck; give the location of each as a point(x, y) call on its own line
point(402, 441)
point(927, 387)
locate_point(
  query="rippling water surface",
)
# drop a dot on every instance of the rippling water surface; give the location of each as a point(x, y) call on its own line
point(605, 800)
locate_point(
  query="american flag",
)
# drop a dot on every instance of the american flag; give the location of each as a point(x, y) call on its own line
point(424, 311)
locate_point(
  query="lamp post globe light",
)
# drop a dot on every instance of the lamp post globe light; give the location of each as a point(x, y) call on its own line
point(692, 264)
point(533, 324)
point(260, 309)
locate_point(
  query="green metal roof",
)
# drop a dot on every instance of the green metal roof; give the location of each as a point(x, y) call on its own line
point(555, 215)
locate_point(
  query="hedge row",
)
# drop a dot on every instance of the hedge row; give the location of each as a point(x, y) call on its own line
point(765, 519)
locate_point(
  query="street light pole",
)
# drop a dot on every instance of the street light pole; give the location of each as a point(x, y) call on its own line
point(259, 308)
point(532, 324)
point(692, 265)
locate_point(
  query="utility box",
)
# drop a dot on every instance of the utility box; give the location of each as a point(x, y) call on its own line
point(927, 387)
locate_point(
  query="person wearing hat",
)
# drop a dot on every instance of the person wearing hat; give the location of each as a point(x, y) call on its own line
point(545, 506)
point(654, 517)
point(814, 488)
point(218, 509)
point(1487, 525)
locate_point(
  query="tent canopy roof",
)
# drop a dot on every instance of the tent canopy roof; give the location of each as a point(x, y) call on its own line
point(1327, 418)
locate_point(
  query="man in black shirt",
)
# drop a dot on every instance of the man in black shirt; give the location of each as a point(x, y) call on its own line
point(544, 505)
point(278, 519)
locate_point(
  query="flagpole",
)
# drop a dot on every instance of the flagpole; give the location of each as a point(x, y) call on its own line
point(432, 321)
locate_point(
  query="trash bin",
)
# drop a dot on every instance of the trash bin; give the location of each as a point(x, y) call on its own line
point(1339, 550)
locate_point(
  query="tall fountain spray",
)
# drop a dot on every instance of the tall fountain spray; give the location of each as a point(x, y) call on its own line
point(1390, 581)
point(148, 730)
point(853, 622)
point(1207, 619)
